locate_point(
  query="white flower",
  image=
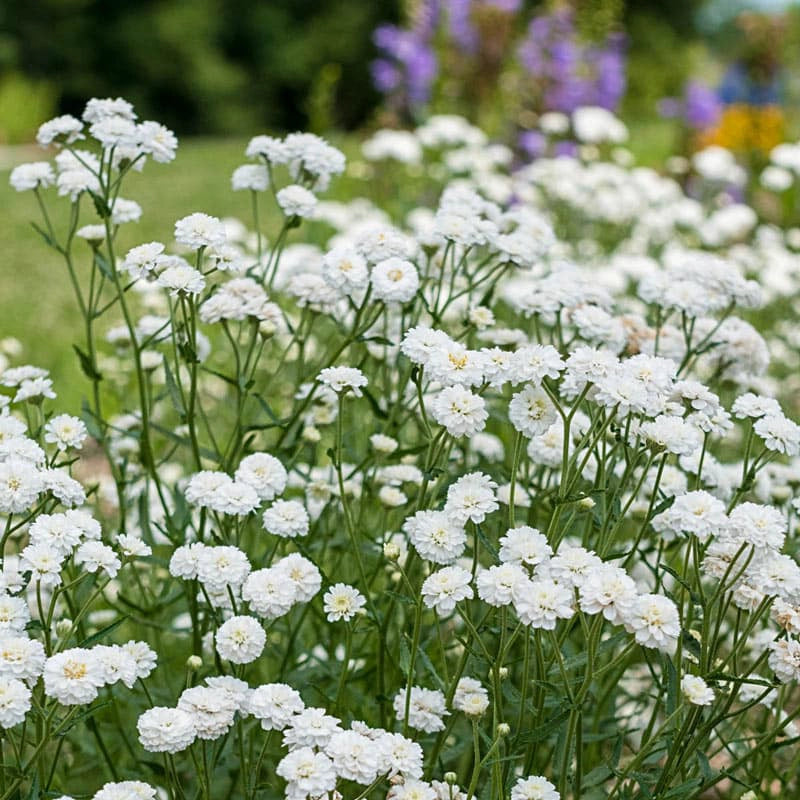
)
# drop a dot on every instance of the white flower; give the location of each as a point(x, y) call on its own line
point(302, 573)
point(15, 702)
point(264, 473)
point(460, 411)
point(166, 730)
point(34, 390)
point(531, 411)
point(221, 567)
point(534, 787)
point(182, 279)
point(32, 176)
point(540, 603)
point(595, 125)
point(241, 639)
point(250, 177)
point(307, 773)
point(470, 697)
point(212, 710)
point(44, 563)
point(132, 546)
point(471, 497)
point(118, 664)
point(98, 109)
point(655, 622)
point(354, 756)
point(21, 657)
point(14, 614)
point(56, 531)
point(185, 559)
point(784, 659)
point(126, 790)
point(385, 445)
point(311, 727)
point(343, 379)
point(275, 705)
point(143, 655)
point(698, 513)
point(61, 130)
point(524, 545)
point(268, 592)
point(446, 587)
point(200, 230)
point(780, 434)
point(673, 434)
point(608, 590)
point(94, 556)
point(394, 280)
point(755, 406)
point(345, 269)
point(426, 709)
point(286, 518)
point(296, 201)
point(342, 602)
point(73, 677)
point(400, 755)
point(496, 584)
point(157, 141)
point(696, 690)
point(65, 431)
point(411, 789)
point(533, 363)
point(435, 536)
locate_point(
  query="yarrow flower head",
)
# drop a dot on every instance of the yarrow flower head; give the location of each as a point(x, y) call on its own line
point(343, 379)
point(342, 602)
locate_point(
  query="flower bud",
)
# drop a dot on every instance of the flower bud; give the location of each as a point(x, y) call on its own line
point(503, 729)
point(391, 550)
point(267, 328)
point(193, 663)
point(586, 504)
point(450, 777)
point(311, 434)
point(503, 672)
point(63, 627)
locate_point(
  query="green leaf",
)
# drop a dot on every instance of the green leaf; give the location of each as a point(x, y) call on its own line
point(596, 776)
point(547, 728)
point(103, 265)
point(267, 409)
point(375, 340)
point(663, 506)
point(96, 637)
point(174, 392)
point(690, 644)
point(404, 662)
point(684, 791)
point(86, 365)
point(102, 208)
point(45, 235)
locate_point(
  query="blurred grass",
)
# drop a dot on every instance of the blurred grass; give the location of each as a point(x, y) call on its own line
point(37, 305)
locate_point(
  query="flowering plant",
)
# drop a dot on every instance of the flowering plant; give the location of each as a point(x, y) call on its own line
point(480, 505)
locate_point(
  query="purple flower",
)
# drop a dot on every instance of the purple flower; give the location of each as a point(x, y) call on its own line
point(703, 107)
point(533, 143)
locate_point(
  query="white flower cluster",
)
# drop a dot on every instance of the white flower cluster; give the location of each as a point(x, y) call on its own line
point(500, 495)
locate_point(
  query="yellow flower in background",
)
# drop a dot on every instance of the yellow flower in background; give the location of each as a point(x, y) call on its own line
point(746, 128)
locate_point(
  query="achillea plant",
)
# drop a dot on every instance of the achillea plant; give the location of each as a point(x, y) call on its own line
point(491, 505)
